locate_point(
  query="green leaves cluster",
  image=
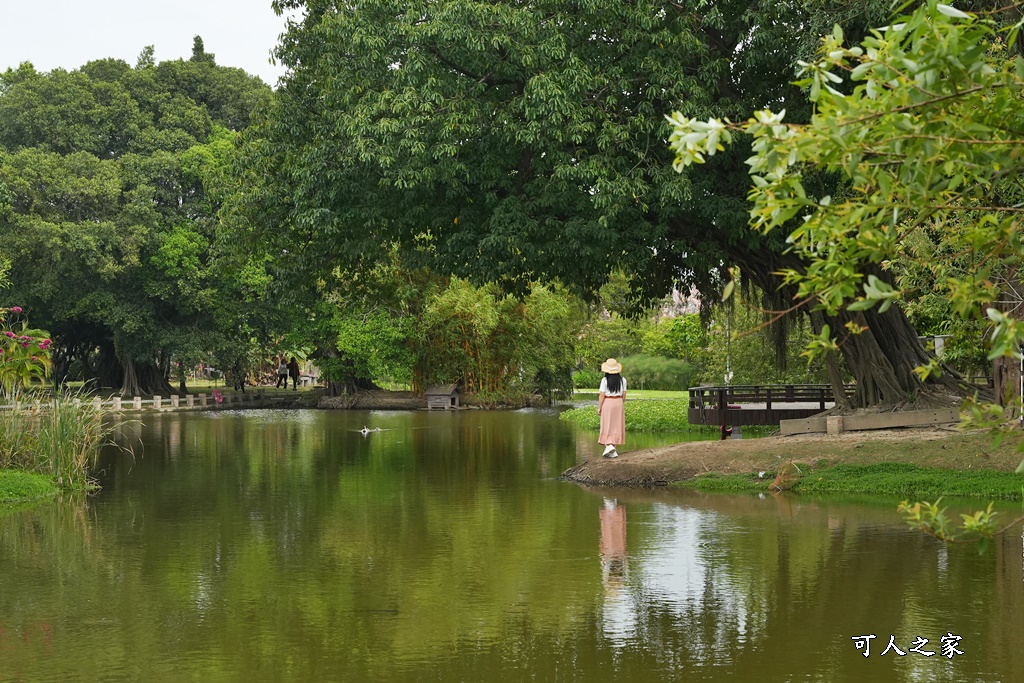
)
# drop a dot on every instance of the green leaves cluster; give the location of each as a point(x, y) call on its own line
point(24, 352)
point(920, 121)
point(511, 143)
point(111, 179)
point(931, 518)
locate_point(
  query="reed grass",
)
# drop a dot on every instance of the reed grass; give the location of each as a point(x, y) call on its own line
point(62, 440)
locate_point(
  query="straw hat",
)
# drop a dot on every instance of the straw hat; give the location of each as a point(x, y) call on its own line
point(611, 367)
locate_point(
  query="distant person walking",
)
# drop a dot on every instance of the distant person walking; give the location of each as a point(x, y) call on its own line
point(610, 399)
point(293, 372)
point(282, 371)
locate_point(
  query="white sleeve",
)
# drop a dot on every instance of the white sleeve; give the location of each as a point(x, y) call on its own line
point(604, 386)
point(623, 385)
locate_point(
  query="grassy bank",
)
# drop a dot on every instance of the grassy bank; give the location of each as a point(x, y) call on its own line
point(947, 463)
point(885, 478)
point(653, 411)
point(18, 487)
point(642, 415)
point(61, 441)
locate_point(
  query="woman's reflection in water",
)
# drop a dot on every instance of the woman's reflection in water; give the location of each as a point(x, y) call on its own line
point(619, 610)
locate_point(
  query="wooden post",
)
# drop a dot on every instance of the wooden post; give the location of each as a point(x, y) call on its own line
point(768, 404)
point(158, 402)
point(821, 395)
point(137, 403)
point(116, 401)
point(190, 401)
point(202, 400)
point(97, 403)
point(175, 401)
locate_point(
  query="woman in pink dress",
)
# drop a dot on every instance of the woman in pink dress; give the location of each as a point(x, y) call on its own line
point(610, 398)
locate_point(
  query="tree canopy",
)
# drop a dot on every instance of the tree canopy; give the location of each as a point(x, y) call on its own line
point(928, 142)
point(516, 142)
point(111, 178)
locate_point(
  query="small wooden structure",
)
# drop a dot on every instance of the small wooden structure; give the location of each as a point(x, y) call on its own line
point(757, 405)
point(444, 397)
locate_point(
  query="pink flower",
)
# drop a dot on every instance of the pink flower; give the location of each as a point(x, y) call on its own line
point(16, 309)
point(24, 338)
point(34, 358)
point(9, 334)
point(24, 345)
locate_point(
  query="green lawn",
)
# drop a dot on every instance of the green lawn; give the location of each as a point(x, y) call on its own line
point(631, 394)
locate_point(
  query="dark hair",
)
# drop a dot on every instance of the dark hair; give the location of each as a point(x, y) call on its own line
point(614, 382)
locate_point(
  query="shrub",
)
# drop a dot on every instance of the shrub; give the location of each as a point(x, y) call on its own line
point(587, 379)
point(655, 372)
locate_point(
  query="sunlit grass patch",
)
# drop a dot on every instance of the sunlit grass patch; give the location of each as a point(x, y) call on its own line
point(668, 415)
point(896, 479)
point(16, 486)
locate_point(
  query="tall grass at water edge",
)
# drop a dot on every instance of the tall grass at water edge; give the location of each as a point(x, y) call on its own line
point(62, 440)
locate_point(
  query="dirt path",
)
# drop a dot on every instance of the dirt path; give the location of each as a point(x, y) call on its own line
point(932, 447)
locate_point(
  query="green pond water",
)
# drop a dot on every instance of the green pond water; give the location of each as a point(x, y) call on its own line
point(287, 546)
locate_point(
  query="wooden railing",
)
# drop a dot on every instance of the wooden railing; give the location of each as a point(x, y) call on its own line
point(229, 399)
point(730, 405)
point(721, 396)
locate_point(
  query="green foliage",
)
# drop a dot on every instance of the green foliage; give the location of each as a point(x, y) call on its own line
point(931, 519)
point(683, 337)
point(587, 379)
point(610, 337)
point(739, 342)
point(111, 179)
point(376, 344)
point(24, 353)
point(935, 96)
point(642, 416)
point(653, 372)
point(504, 143)
point(493, 342)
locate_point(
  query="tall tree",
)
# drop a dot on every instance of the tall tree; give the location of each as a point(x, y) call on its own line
point(928, 141)
point(510, 142)
point(112, 178)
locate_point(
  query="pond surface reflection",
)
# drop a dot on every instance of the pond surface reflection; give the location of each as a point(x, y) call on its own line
point(289, 545)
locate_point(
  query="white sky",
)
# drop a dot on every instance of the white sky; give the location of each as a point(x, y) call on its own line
point(69, 33)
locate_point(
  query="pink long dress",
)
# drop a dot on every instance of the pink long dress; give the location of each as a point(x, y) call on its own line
point(613, 421)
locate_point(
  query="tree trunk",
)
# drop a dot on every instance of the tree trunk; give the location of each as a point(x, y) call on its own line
point(1006, 371)
point(882, 358)
point(1006, 376)
point(143, 378)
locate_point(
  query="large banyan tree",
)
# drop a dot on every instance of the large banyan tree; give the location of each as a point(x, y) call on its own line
point(108, 212)
point(518, 141)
